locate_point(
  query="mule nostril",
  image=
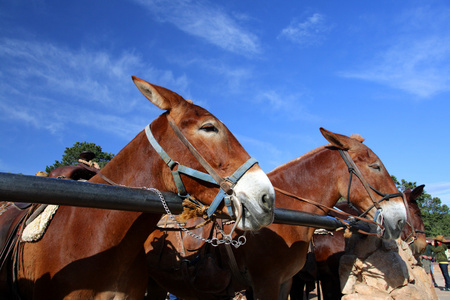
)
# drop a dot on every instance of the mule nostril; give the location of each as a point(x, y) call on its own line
point(266, 201)
point(400, 224)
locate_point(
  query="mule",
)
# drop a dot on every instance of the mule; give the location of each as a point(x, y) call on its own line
point(327, 249)
point(273, 255)
point(414, 231)
point(97, 253)
point(82, 171)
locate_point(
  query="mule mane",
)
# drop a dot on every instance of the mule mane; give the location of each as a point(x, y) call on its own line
point(307, 154)
point(354, 136)
point(357, 137)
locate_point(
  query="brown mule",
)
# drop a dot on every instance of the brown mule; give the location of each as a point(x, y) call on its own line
point(80, 171)
point(97, 253)
point(273, 255)
point(414, 230)
point(328, 249)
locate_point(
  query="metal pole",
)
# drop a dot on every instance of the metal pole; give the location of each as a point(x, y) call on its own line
point(300, 218)
point(34, 189)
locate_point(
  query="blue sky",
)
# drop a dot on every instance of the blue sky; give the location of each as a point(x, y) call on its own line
point(273, 72)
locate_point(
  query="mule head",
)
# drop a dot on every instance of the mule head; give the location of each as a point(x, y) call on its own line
point(391, 213)
point(414, 230)
point(218, 147)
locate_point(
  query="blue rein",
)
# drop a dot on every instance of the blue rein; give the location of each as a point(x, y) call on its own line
point(178, 169)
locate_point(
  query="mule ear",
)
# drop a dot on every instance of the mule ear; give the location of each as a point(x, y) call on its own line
point(161, 97)
point(417, 191)
point(338, 140)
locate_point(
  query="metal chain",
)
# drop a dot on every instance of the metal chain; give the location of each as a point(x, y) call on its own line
point(227, 239)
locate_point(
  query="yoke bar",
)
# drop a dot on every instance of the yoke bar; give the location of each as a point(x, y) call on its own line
point(300, 218)
point(35, 189)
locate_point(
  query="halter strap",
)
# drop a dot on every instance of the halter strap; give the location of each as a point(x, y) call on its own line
point(326, 208)
point(353, 169)
point(414, 230)
point(226, 184)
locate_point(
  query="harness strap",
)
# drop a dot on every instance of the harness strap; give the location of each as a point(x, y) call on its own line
point(226, 184)
point(408, 221)
point(233, 263)
point(234, 179)
point(353, 169)
point(326, 207)
point(180, 168)
point(97, 171)
point(386, 197)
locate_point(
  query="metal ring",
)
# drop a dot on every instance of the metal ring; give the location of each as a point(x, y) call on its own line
point(242, 240)
point(214, 242)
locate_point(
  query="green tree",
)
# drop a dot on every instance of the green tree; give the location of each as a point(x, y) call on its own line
point(72, 154)
point(435, 215)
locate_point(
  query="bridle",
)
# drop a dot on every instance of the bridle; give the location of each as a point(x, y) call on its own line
point(413, 234)
point(226, 184)
point(414, 231)
point(353, 169)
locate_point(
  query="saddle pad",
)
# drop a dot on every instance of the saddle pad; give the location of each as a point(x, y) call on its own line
point(36, 229)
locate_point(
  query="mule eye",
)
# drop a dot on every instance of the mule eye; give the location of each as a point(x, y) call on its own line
point(375, 166)
point(208, 127)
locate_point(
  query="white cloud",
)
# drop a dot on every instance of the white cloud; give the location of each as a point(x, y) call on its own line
point(417, 60)
point(440, 190)
point(41, 118)
point(286, 103)
point(420, 67)
point(206, 21)
point(265, 152)
point(49, 87)
point(311, 31)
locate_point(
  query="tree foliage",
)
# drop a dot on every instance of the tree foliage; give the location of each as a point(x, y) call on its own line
point(72, 154)
point(435, 215)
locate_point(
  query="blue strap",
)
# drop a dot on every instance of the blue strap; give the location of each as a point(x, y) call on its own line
point(215, 204)
point(180, 169)
point(199, 175)
point(179, 184)
point(233, 178)
point(196, 174)
point(158, 148)
point(242, 170)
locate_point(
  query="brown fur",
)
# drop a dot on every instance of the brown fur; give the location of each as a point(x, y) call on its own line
point(420, 241)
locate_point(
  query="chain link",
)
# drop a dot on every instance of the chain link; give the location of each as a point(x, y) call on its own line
point(226, 238)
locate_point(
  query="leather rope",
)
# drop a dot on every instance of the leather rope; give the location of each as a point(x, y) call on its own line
point(325, 207)
point(353, 169)
point(234, 267)
point(414, 231)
